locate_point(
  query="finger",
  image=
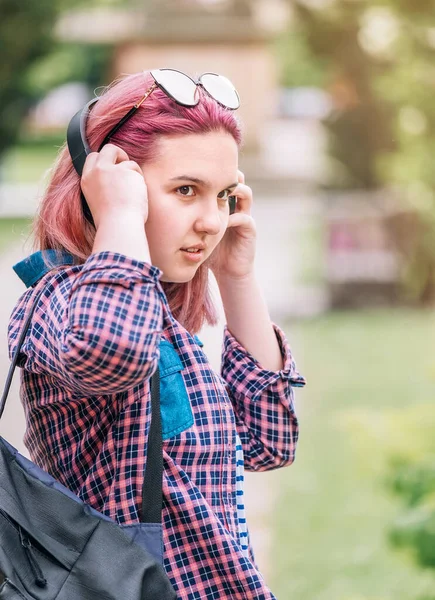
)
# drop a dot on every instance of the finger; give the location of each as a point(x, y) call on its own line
point(131, 165)
point(244, 197)
point(240, 176)
point(242, 220)
point(90, 162)
point(113, 154)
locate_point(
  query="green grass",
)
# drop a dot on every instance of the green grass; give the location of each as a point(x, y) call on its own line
point(12, 230)
point(28, 163)
point(333, 512)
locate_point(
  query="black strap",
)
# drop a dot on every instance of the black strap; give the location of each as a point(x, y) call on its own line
point(152, 495)
point(79, 148)
point(17, 352)
point(76, 137)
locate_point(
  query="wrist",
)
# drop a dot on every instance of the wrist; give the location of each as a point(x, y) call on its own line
point(236, 291)
point(123, 233)
point(240, 282)
point(121, 218)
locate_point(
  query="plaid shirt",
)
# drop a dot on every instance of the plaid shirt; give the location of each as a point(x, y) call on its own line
point(97, 336)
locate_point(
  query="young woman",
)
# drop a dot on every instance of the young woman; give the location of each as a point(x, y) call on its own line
point(128, 295)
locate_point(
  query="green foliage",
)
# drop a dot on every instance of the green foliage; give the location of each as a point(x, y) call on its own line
point(379, 63)
point(413, 482)
point(360, 128)
point(68, 62)
point(416, 529)
point(406, 441)
point(298, 68)
point(26, 35)
point(33, 62)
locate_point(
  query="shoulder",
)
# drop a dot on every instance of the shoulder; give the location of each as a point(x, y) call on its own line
point(51, 283)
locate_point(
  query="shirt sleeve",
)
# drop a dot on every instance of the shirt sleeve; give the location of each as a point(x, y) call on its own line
point(96, 329)
point(263, 403)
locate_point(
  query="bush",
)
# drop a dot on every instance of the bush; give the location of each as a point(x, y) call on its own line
point(415, 529)
point(414, 482)
point(404, 441)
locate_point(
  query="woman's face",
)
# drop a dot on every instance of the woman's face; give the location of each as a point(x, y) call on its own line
point(188, 188)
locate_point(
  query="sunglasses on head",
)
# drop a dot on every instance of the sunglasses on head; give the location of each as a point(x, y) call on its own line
point(176, 85)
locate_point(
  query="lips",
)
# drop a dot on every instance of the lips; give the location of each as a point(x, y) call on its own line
point(193, 254)
point(196, 247)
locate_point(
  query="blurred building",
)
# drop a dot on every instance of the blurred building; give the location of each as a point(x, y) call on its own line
point(224, 36)
point(363, 263)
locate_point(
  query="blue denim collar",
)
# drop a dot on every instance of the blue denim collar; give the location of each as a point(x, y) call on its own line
point(31, 269)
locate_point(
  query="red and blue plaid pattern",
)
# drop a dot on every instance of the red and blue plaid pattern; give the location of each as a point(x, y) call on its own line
point(87, 360)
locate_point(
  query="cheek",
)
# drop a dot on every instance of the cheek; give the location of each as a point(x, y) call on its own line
point(159, 214)
point(158, 232)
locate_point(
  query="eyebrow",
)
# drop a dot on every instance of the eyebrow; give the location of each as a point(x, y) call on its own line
point(200, 181)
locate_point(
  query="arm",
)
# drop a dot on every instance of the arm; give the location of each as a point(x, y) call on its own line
point(96, 329)
point(233, 266)
point(263, 403)
point(248, 320)
point(257, 364)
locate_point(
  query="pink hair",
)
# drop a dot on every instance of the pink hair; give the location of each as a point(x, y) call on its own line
point(60, 223)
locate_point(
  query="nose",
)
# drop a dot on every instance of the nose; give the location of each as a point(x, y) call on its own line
point(209, 219)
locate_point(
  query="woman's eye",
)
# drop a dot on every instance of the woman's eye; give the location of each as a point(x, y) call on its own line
point(184, 190)
point(225, 195)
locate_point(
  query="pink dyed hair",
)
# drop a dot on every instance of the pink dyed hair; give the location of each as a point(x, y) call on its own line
point(60, 223)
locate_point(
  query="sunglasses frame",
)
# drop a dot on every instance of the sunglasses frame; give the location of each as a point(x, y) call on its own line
point(154, 74)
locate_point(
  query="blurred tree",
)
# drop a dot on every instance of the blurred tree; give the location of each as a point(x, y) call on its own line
point(296, 63)
point(67, 62)
point(403, 440)
point(25, 35)
point(408, 87)
point(379, 57)
point(360, 127)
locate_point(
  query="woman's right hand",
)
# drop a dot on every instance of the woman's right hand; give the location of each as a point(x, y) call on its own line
point(113, 184)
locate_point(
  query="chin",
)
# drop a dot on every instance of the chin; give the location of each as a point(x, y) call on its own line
point(178, 277)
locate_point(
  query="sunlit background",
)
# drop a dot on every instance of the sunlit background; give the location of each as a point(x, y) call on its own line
point(339, 118)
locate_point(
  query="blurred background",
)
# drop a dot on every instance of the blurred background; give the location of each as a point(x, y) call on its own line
point(339, 121)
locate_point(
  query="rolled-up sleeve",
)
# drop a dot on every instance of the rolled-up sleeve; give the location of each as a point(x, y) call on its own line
point(97, 330)
point(263, 403)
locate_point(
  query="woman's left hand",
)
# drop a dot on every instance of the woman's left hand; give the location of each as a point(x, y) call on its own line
point(233, 258)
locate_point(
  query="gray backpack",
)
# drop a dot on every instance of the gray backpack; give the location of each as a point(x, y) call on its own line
point(54, 546)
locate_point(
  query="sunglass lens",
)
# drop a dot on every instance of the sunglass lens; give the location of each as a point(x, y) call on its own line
point(221, 89)
point(178, 85)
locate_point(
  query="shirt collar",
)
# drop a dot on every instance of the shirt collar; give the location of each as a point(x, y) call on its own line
point(31, 269)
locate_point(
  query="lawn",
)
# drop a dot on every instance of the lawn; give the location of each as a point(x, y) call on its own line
point(29, 163)
point(330, 526)
point(13, 229)
point(25, 163)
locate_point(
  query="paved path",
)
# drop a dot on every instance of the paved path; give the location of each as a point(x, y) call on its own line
point(12, 423)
